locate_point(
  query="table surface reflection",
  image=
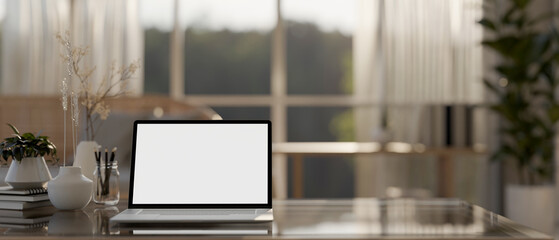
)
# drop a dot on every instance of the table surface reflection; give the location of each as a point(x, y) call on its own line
point(304, 219)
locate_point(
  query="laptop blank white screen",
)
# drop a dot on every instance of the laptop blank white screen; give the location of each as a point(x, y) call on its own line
point(200, 163)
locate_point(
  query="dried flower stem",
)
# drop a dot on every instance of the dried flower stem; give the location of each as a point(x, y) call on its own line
point(64, 91)
point(64, 163)
point(75, 110)
point(94, 100)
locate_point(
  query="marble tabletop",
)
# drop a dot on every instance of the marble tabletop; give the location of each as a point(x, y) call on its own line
point(360, 218)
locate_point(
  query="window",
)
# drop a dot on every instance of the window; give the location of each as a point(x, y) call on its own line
point(319, 124)
point(243, 113)
point(227, 46)
point(302, 64)
point(319, 46)
point(157, 30)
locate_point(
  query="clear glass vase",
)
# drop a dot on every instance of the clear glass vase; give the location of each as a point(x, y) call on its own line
point(106, 178)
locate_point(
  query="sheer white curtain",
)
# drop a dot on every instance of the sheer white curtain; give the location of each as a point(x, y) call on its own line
point(409, 55)
point(30, 51)
point(31, 63)
point(112, 30)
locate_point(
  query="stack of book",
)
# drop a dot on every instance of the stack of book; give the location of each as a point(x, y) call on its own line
point(24, 208)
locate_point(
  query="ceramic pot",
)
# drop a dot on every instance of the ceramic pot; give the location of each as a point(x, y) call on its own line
point(532, 206)
point(85, 157)
point(70, 189)
point(28, 173)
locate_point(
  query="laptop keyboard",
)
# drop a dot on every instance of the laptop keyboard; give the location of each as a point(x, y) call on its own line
point(198, 212)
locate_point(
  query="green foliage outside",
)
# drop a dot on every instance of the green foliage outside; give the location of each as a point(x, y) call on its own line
point(343, 125)
point(526, 88)
point(228, 62)
point(317, 60)
point(156, 65)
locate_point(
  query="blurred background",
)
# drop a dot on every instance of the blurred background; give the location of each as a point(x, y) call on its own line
point(403, 74)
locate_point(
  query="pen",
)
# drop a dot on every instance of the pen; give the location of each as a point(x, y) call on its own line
point(106, 157)
point(113, 154)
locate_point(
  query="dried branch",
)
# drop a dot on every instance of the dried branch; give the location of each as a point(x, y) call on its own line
point(93, 100)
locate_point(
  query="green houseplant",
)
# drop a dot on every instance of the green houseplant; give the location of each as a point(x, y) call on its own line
point(28, 168)
point(26, 145)
point(526, 97)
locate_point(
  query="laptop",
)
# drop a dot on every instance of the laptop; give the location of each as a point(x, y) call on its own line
point(200, 171)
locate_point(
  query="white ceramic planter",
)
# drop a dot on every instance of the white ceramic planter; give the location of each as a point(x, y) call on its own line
point(533, 206)
point(85, 157)
point(70, 189)
point(28, 173)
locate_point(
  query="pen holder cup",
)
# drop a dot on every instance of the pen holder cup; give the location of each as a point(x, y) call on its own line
point(106, 180)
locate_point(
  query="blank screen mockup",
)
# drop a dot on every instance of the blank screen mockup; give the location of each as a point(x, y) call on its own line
point(199, 163)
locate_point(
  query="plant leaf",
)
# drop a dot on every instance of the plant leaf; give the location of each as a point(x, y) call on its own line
point(503, 45)
point(11, 144)
point(543, 17)
point(17, 153)
point(522, 3)
point(488, 24)
point(6, 154)
point(553, 113)
point(28, 136)
point(492, 87)
point(13, 128)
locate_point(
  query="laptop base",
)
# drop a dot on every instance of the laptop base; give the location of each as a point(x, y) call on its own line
point(194, 216)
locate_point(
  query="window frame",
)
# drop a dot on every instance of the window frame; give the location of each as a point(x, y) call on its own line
point(278, 100)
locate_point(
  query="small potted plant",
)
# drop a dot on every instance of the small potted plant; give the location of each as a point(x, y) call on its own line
point(28, 168)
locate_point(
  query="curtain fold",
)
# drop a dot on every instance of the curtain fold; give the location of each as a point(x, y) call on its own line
point(409, 54)
point(31, 62)
point(412, 58)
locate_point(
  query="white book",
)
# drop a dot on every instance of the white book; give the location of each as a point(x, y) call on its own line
point(24, 220)
point(9, 190)
point(28, 213)
point(25, 198)
point(27, 227)
point(23, 205)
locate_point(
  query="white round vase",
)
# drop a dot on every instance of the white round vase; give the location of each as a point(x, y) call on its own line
point(28, 173)
point(70, 189)
point(85, 157)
